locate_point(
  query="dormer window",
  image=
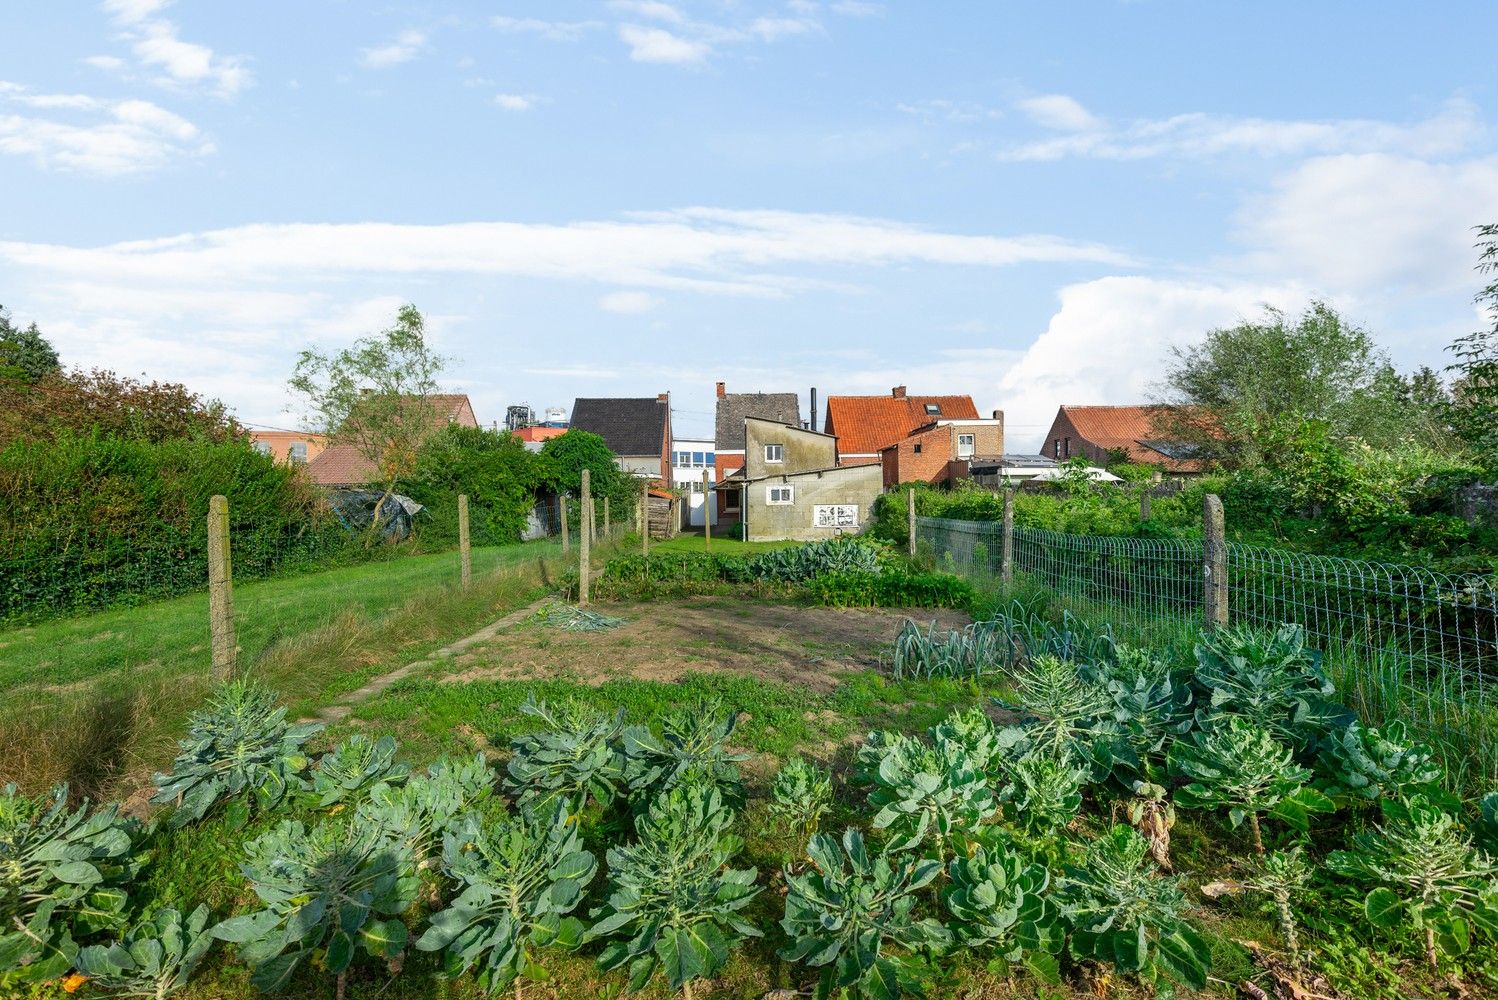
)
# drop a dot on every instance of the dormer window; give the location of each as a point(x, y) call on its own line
point(933, 409)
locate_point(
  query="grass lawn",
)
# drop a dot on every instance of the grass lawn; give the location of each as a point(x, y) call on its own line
point(90, 698)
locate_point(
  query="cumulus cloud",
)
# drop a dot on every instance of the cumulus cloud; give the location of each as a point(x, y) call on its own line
point(156, 44)
point(95, 135)
point(657, 45)
point(687, 41)
point(515, 102)
point(1200, 135)
point(555, 31)
point(628, 303)
point(403, 48)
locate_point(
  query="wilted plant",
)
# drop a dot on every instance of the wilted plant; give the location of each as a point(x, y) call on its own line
point(1123, 912)
point(925, 792)
point(1152, 813)
point(356, 764)
point(1000, 901)
point(1427, 873)
point(154, 960)
point(1364, 764)
point(673, 897)
point(1044, 792)
point(801, 794)
point(325, 891)
point(691, 750)
point(1238, 766)
point(1269, 677)
point(416, 813)
point(521, 878)
point(844, 911)
point(239, 748)
point(576, 756)
point(1059, 704)
point(61, 870)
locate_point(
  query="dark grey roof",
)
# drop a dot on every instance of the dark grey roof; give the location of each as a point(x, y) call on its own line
point(628, 426)
point(781, 407)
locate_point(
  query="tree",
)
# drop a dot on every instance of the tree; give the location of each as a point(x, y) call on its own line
point(492, 467)
point(567, 455)
point(102, 402)
point(376, 396)
point(25, 355)
point(1242, 386)
point(1474, 409)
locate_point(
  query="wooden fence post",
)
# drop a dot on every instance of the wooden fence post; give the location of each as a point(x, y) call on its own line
point(910, 516)
point(1144, 504)
point(585, 532)
point(465, 556)
point(221, 591)
point(707, 512)
point(1006, 559)
point(608, 530)
point(1214, 563)
point(645, 523)
point(562, 506)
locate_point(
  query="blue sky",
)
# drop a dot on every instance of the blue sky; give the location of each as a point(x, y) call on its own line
point(1025, 202)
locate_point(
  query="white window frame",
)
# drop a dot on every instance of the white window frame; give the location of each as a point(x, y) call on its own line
point(972, 445)
point(786, 492)
point(778, 453)
point(291, 453)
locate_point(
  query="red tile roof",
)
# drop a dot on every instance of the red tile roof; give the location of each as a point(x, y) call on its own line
point(1127, 427)
point(343, 465)
point(865, 424)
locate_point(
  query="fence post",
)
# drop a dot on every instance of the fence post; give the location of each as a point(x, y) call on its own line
point(608, 530)
point(562, 506)
point(220, 590)
point(465, 556)
point(910, 516)
point(1144, 504)
point(707, 512)
point(585, 532)
point(1006, 563)
point(645, 523)
point(1214, 564)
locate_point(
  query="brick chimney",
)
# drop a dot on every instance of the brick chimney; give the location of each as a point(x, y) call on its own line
point(898, 392)
point(663, 397)
point(722, 390)
point(998, 414)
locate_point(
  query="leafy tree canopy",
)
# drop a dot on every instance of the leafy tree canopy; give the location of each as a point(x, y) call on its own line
point(1474, 410)
point(25, 355)
point(85, 402)
point(567, 455)
point(492, 467)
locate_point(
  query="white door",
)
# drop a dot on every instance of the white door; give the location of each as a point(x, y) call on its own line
point(697, 506)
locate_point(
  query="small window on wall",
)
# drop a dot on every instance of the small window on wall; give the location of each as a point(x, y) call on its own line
point(263, 447)
point(966, 445)
point(775, 453)
point(780, 495)
point(298, 452)
point(731, 501)
point(1066, 447)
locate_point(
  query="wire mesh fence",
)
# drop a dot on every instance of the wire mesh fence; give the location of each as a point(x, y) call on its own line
point(1434, 635)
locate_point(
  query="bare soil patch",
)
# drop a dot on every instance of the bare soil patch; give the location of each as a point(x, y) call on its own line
point(807, 646)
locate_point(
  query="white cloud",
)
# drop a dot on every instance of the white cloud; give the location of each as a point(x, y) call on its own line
point(1200, 135)
point(94, 135)
point(1057, 111)
point(1107, 343)
point(656, 45)
point(651, 9)
point(110, 63)
point(1373, 221)
point(155, 44)
point(772, 28)
point(628, 303)
point(406, 46)
point(941, 109)
point(556, 31)
point(515, 102)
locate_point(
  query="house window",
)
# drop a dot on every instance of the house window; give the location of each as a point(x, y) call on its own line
point(697, 460)
point(965, 445)
point(712, 459)
point(298, 452)
point(730, 501)
point(696, 487)
point(263, 447)
point(917, 448)
point(1066, 447)
point(780, 494)
point(933, 409)
point(1056, 448)
point(775, 453)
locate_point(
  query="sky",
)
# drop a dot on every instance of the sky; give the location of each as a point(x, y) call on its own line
point(1029, 203)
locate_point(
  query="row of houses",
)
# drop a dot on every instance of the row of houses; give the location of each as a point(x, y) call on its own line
point(784, 477)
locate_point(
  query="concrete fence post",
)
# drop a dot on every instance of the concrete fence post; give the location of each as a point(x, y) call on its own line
point(910, 517)
point(562, 506)
point(1144, 504)
point(1006, 557)
point(221, 591)
point(1214, 564)
point(707, 512)
point(608, 529)
point(465, 556)
point(585, 532)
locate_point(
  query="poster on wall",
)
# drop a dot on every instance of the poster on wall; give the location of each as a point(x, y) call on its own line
point(834, 515)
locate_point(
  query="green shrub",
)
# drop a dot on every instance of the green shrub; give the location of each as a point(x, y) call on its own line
point(892, 588)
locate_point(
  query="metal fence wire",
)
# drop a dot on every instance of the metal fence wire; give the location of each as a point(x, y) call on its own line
point(1437, 632)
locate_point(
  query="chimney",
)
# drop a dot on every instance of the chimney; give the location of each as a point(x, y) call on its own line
point(663, 397)
point(998, 414)
point(722, 390)
point(813, 407)
point(898, 392)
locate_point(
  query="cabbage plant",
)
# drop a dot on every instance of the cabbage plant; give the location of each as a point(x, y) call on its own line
point(354, 766)
point(521, 878)
point(154, 960)
point(416, 813)
point(1270, 677)
point(575, 757)
point(691, 750)
point(673, 898)
point(925, 792)
point(843, 912)
point(1362, 764)
point(801, 794)
point(1062, 707)
point(325, 892)
point(239, 749)
point(1043, 793)
point(1000, 902)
